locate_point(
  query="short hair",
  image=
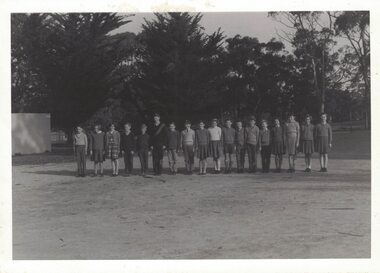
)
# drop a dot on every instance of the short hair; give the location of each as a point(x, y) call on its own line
point(228, 119)
point(156, 115)
point(187, 122)
point(201, 121)
point(264, 121)
point(112, 124)
point(214, 120)
point(323, 113)
point(291, 115)
point(252, 118)
point(128, 123)
point(172, 123)
point(239, 120)
point(144, 125)
point(308, 116)
point(97, 125)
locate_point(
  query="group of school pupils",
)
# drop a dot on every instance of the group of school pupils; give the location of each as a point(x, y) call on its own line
point(214, 142)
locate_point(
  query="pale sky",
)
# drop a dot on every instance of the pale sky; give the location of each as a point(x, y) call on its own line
point(253, 24)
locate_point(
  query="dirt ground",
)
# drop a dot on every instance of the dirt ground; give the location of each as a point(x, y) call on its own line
point(301, 215)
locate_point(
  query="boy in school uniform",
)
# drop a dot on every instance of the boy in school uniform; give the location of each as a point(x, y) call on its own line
point(187, 144)
point(113, 148)
point(228, 136)
point(142, 148)
point(128, 146)
point(277, 143)
point(158, 139)
point(202, 140)
point(240, 146)
point(264, 146)
point(307, 141)
point(80, 150)
point(292, 135)
point(174, 140)
point(97, 144)
point(252, 137)
point(215, 144)
point(323, 139)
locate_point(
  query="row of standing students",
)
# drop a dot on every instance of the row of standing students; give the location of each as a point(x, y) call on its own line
point(214, 142)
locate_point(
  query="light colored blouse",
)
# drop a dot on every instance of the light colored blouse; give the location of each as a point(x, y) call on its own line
point(215, 133)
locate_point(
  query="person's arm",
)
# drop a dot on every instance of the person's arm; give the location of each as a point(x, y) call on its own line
point(259, 141)
point(193, 136)
point(298, 134)
point(85, 143)
point(330, 135)
point(74, 142)
point(90, 143)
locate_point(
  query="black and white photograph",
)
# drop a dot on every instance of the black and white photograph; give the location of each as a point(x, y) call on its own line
point(191, 135)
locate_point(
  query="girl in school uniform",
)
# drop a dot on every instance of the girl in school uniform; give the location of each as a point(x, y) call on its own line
point(307, 141)
point(292, 134)
point(264, 146)
point(202, 140)
point(97, 144)
point(277, 144)
point(80, 151)
point(323, 140)
point(216, 148)
point(113, 148)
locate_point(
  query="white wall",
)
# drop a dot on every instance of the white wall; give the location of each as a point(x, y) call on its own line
point(30, 133)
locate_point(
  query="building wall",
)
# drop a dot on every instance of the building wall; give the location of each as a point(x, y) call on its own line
point(30, 133)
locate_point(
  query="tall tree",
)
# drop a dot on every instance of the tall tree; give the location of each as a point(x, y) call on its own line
point(180, 68)
point(75, 54)
point(354, 26)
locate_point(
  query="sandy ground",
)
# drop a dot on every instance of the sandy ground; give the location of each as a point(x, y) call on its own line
point(301, 215)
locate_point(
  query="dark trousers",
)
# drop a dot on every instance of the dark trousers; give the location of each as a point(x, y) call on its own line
point(128, 161)
point(143, 155)
point(157, 156)
point(240, 157)
point(265, 157)
point(80, 154)
point(252, 157)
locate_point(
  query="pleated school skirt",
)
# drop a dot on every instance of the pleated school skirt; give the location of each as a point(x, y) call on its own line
point(322, 145)
point(203, 151)
point(216, 149)
point(278, 148)
point(307, 146)
point(291, 144)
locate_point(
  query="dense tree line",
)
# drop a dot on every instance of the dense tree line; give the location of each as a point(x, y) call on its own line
point(75, 67)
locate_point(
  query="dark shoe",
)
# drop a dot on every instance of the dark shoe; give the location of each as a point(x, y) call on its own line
point(321, 170)
point(325, 170)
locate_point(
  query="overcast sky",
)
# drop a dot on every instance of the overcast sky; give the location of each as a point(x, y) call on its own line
point(253, 24)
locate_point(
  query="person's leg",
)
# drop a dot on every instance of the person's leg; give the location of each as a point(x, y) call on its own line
point(77, 157)
point(321, 161)
point(268, 158)
point(242, 159)
point(174, 161)
point(142, 163)
point(117, 166)
point(83, 161)
point(280, 161)
point(205, 165)
point(226, 161)
point(276, 161)
point(238, 160)
point(254, 157)
point(130, 162)
point(191, 153)
point(101, 168)
point(250, 157)
point(160, 159)
point(218, 164)
point(95, 167)
point(326, 157)
point(155, 160)
point(125, 157)
point(262, 153)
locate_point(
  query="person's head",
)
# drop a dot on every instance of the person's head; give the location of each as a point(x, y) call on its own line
point(97, 127)
point(171, 126)
point(79, 129)
point(277, 122)
point(323, 117)
point(252, 121)
point(214, 122)
point(228, 123)
point(239, 124)
point(187, 124)
point(292, 117)
point(127, 127)
point(264, 124)
point(308, 119)
point(143, 128)
point(201, 124)
point(112, 127)
point(156, 118)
